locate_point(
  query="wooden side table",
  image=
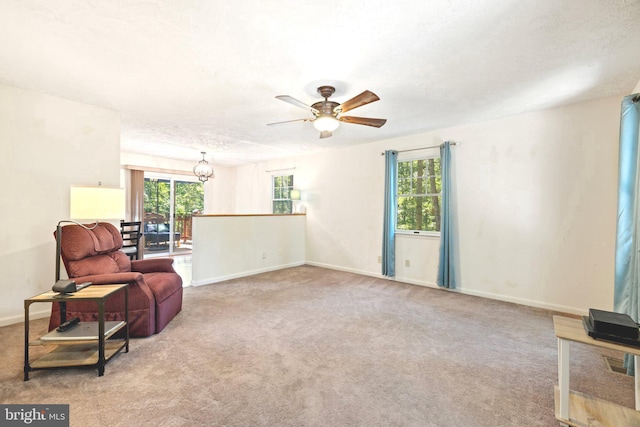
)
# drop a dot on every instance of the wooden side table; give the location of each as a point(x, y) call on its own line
point(86, 344)
point(579, 409)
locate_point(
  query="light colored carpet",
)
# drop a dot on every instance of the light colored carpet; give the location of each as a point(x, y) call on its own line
point(308, 346)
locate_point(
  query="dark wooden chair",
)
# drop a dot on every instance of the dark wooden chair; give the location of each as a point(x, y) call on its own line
point(131, 233)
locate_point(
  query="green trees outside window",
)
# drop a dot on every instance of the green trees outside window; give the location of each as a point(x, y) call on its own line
point(157, 197)
point(189, 198)
point(281, 196)
point(419, 195)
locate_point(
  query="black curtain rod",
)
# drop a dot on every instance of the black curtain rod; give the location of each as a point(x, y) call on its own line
point(636, 98)
point(422, 148)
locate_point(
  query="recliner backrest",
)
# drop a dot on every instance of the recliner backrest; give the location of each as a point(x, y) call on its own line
point(93, 251)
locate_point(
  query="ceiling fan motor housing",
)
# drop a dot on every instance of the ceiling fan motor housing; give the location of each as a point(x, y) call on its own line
point(325, 107)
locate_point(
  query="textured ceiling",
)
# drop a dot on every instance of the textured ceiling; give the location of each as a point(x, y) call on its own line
point(190, 76)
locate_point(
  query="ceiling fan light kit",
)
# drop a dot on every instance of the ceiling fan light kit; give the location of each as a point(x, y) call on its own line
point(326, 123)
point(327, 115)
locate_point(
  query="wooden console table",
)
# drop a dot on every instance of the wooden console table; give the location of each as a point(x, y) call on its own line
point(581, 410)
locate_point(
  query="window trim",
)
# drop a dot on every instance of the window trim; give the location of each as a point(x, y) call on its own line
point(418, 233)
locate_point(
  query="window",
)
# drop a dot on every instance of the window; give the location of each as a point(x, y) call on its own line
point(419, 195)
point(281, 195)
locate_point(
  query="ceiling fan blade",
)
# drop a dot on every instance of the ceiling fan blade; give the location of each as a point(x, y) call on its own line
point(365, 97)
point(293, 101)
point(376, 123)
point(325, 134)
point(288, 121)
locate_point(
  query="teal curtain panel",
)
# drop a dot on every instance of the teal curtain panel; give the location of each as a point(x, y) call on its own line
point(446, 264)
point(627, 284)
point(390, 210)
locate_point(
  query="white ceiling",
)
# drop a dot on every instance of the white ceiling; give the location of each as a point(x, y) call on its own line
point(190, 76)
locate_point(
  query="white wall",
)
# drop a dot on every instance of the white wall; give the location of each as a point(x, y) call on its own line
point(536, 196)
point(538, 205)
point(226, 247)
point(48, 144)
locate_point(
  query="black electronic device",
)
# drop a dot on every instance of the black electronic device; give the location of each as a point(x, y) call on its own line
point(611, 326)
point(69, 286)
point(65, 286)
point(68, 324)
point(612, 323)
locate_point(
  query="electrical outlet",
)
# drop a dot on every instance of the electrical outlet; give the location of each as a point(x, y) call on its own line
point(407, 263)
point(379, 259)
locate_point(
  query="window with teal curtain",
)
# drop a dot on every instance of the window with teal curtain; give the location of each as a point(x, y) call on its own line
point(627, 264)
point(446, 264)
point(390, 208)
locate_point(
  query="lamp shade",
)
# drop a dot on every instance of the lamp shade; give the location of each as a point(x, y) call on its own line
point(294, 194)
point(97, 203)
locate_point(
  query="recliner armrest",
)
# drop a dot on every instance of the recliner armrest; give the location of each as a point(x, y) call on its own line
point(153, 265)
point(111, 278)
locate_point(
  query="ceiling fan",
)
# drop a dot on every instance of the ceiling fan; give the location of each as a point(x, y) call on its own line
point(327, 115)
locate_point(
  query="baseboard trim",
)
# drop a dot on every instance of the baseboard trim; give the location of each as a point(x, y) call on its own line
point(19, 318)
point(472, 292)
point(218, 279)
point(528, 302)
point(346, 269)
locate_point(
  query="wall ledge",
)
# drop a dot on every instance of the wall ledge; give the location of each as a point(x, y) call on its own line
point(236, 215)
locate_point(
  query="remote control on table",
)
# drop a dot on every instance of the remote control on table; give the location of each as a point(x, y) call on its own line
point(83, 285)
point(68, 324)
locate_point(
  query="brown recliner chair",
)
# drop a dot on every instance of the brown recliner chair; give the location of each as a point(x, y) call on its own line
point(155, 289)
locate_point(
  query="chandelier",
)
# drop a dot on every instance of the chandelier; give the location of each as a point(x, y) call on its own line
point(203, 170)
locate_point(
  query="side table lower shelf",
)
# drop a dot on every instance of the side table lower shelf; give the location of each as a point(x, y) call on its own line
point(585, 409)
point(85, 354)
